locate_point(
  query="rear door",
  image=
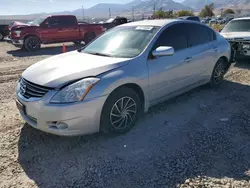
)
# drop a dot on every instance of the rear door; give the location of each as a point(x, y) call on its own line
point(69, 29)
point(202, 50)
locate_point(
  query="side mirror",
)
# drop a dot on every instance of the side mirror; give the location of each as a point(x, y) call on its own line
point(163, 51)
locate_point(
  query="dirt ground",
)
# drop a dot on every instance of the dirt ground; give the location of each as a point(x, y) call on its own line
point(199, 139)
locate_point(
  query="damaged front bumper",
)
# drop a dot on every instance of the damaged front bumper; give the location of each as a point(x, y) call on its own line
point(240, 48)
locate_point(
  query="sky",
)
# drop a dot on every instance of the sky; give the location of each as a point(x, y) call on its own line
point(16, 7)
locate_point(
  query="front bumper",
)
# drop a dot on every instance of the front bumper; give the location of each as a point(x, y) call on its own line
point(79, 118)
point(16, 42)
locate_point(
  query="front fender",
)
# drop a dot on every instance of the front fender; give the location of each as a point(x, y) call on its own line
point(117, 78)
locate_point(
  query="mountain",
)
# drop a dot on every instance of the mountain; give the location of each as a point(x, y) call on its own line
point(236, 4)
point(149, 5)
point(102, 9)
point(140, 6)
point(196, 4)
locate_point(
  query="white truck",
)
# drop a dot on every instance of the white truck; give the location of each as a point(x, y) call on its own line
point(237, 32)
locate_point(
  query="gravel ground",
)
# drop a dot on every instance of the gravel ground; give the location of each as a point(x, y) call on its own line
point(200, 139)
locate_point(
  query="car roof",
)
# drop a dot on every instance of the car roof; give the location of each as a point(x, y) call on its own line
point(160, 22)
point(244, 18)
point(188, 17)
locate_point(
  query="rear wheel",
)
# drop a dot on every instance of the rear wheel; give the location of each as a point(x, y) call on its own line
point(89, 37)
point(219, 71)
point(32, 44)
point(121, 111)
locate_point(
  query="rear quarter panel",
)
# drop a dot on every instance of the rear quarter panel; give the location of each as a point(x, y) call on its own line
point(90, 28)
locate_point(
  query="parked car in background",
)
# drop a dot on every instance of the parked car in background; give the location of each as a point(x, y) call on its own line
point(221, 20)
point(113, 22)
point(110, 82)
point(237, 32)
point(4, 31)
point(52, 29)
point(193, 18)
point(213, 21)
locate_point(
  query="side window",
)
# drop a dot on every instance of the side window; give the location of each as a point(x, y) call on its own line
point(66, 21)
point(53, 21)
point(175, 36)
point(198, 35)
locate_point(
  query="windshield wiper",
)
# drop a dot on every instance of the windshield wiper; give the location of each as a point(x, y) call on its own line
point(100, 54)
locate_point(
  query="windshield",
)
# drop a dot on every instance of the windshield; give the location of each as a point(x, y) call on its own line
point(121, 42)
point(37, 21)
point(110, 20)
point(237, 26)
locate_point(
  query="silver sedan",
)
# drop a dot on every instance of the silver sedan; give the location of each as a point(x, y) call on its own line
point(110, 82)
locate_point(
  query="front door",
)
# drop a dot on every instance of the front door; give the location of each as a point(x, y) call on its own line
point(168, 74)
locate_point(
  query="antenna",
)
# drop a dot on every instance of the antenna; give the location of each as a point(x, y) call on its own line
point(133, 16)
point(82, 13)
point(109, 13)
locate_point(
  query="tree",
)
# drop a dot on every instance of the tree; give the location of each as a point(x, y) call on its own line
point(184, 13)
point(169, 14)
point(208, 10)
point(228, 11)
point(159, 14)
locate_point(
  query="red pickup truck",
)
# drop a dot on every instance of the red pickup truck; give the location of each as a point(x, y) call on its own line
point(52, 29)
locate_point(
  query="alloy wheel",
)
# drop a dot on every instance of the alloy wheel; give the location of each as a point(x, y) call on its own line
point(219, 73)
point(123, 113)
point(32, 43)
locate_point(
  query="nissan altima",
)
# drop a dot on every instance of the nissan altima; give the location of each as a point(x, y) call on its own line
point(110, 82)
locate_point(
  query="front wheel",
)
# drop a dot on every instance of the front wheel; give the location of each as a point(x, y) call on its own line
point(218, 73)
point(32, 44)
point(121, 111)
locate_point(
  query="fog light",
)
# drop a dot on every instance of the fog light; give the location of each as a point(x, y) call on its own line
point(62, 125)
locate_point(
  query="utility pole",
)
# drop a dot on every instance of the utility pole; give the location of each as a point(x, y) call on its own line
point(154, 9)
point(133, 16)
point(109, 13)
point(82, 13)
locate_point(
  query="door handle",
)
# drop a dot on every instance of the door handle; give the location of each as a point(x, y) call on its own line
point(216, 49)
point(188, 59)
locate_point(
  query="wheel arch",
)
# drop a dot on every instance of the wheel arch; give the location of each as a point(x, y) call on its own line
point(226, 60)
point(31, 35)
point(135, 87)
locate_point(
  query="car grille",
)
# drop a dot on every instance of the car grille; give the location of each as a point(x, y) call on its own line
point(30, 90)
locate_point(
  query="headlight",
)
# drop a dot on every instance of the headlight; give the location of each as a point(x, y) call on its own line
point(18, 33)
point(74, 92)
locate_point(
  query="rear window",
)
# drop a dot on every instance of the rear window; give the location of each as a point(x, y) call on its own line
point(198, 35)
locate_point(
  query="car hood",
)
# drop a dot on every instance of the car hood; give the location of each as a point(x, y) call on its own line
point(236, 35)
point(60, 69)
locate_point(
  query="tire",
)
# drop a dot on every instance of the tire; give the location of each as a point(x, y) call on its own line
point(113, 119)
point(219, 71)
point(77, 42)
point(32, 44)
point(1, 36)
point(89, 37)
